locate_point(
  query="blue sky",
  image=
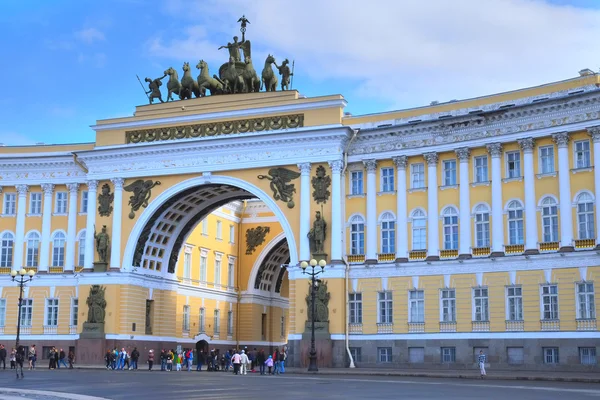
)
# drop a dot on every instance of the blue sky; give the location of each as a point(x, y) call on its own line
point(67, 63)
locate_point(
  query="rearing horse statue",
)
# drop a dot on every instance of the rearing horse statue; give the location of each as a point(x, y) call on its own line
point(188, 84)
point(206, 82)
point(250, 77)
point(173, 85)
point(268, 76)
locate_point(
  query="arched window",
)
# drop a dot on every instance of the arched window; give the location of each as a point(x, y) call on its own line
point(515, 222)
point(357, 235)
point(81, 249)
point(33, 249)
point(58, 250)
point(419, 230)
point(585, 216)
point(550, 220)
point(450, 229)
point(388, 233)
point(6, 249)
point(482, 226)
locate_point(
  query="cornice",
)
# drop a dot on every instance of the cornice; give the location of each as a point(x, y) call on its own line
point(31, 170)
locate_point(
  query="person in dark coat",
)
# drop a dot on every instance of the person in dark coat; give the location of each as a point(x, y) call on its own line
point(3, 356)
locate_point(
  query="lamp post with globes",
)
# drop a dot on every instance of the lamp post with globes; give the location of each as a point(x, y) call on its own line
point(21, 277)
point(312, 367)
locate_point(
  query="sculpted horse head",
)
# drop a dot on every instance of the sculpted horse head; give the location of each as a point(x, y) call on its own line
point(172, 73)
point(202, 65)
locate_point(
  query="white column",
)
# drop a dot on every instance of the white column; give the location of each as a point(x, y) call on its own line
point(20, 229)
point(90, 225)
point(401, 211)
point(531, 227)
point(464, 205)
point(115, 240)
point(495, 151)
point(594, 132)
point(304, 210)
point(371, 167)
point(336, 211)
point(564, 189)
point(71, 226)
point(433, 237)
point(48, 188)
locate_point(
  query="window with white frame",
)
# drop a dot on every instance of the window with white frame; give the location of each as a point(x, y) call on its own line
point(202, 318)
point(582, 154)
point(231, 273)
point(60, 206)
point(282, 326)
point(74, 311)
point(585, 216)
point(549, 220)
point(81, 249)
point(546, 159)
point(417, 176)
point(387, 179)
point(203, 266)
point(219, 230)
point(26, 312)
point(35, 203)
point(51, 312)
point(187, 263)
point(550, 355)
point(448, 355)
point(385, 308)
point(58, 249)
point(231, 234)
point(481, 169)
point(186, 318)
point(587, 355)
point(217, 322)
point(450, 228)
point(514, 297)
point(481, 311)
point(416, 306)
point(515, 222)
point(10, 203)
point(513, 164)
point(549, 302)
point(33, 249)
point(419, 230)
point(356, 179)
point(84, 202)
point(384, 354)
point(482, 226)
point(448, 305)
point(449, 172)
point(355, 302)
point(6, 249)
point(2, 312)
point(388, 233)
point(357, 235)
point(585, 301)
point(230, 322)
point(205, 226)
point(218, 258)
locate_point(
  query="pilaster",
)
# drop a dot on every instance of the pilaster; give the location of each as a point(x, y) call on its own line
point(371, 167)
point(44, 263)
point(433, 244)
point(71, 226)
point(594, 132)
point(90, 224)
point(20, 228)
point(464, 248)
point(336, 211)
point(531, 226)
point(564, 189)
point(305, 169)
point(401, 210)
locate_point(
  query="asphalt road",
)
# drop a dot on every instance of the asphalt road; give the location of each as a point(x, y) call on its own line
point(128, 385)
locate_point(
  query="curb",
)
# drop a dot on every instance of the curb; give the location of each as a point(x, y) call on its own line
point(46, 394)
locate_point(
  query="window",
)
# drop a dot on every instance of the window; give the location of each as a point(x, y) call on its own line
point(582, 154)
point(416, 355)
point(205, 227)
point(10, 204)
point(515, 355)
point(219, 230)
point(202, 322)
point(515, 222)
point(388, 233)
point(33, 249)
point(230, 322)
point(513, 164)
point(550, 355)
point(231, 273)
point(480, 301)
point(585, 301)
point(58, 249)
point(26, 312)
point(587, 355)
point(550, 220)
point(482, 226)
point(231, 234)
point(550, 302)
point(282, 325)
point(203, 262)
point(416, 307)
point(357, 235)
point(585, 216)
point(186, 318)
point(81, 249)
point(2, 312)
point(84, 202)
point(61, 203)
point(448, 355)
point(35, 203)
point(51, 312)
point(355, 300)
point(384, 354)
point(217, 279)
point(448, 305)
point(74, 311)
point(357, 182)
point(355, 352)
point(449, 172)
point(514, 295)
point(481, 169)
point(217, 323)
point(385, 308)
point(187, 265)
point(387, 179)
point(450, 229)
point(546, 159)
point(417, 174)
point(6, 249)
point(419, 230)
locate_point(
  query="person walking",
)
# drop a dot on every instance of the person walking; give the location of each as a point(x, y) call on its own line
point(269, 363)
point(178, 357)
point(19, 359)
point(13, 359)
point(201, 359)
point(150, 359)
point(481, 360)
point(281, 359)
point(135, 355)
point(62, 358)
point(190, 359)
point(71, 359)
point(169, 356)
point(236, 360)
point(163, 360)
point(32, 357)
point(244, 361)
point(260, 360)
point(3, 356)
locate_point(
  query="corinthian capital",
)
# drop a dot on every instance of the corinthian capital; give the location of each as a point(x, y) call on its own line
point(561, 139)
point(370, 165)
point(526, 144)
point(495, 149)
point(48, 188)
point(463, 153)
point(92, 185)
point(22, 189)
point(304, 168)
point(73, 187)
point(118, 182)
point(400, 161)
point(431, 158)
point(336, 166)
point(594, 132)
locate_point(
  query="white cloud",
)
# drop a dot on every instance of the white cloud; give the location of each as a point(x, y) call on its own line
point(15, 139)
point(89, 35)
point(406, 53)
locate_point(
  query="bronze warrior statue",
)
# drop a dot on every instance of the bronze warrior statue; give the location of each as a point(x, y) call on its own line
point(154, 86)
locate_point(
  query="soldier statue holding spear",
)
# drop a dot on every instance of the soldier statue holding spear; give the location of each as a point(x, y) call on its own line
point(285, 73)
point(154, 86)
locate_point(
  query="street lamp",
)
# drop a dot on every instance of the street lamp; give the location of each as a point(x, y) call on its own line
point(21, 277)
point(312, 367)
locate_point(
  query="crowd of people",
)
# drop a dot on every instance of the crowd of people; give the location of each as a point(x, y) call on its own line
point(56, 357)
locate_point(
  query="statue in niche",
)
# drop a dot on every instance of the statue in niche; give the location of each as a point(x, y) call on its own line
point(102, 243)
point(105, 200)
point(322, 297)
point(321, 183)
point(96, 305)
point(316, 236)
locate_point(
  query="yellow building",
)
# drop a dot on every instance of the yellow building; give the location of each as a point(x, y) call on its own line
point(451, 228)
